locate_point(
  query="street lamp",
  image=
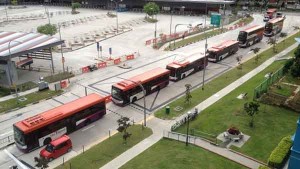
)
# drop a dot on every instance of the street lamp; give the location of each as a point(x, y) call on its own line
point(9, 73)
point(6, 11)
point(204, 62)
point(116, 4)
point(62, 55)
point(187, 128)
point(47, 13)
point(188, 25)
point(144, 93)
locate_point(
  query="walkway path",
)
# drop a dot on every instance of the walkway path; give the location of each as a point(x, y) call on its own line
point(158, 126)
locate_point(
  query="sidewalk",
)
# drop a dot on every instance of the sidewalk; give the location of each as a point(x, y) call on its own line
point(158, 125)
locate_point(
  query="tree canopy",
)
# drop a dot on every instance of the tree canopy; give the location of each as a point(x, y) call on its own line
point(295, 69)
point(47, 29)
point(151, 9)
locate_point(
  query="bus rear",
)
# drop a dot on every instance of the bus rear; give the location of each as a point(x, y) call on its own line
point(273, 27)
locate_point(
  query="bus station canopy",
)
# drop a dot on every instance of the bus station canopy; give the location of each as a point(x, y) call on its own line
point(14, 44)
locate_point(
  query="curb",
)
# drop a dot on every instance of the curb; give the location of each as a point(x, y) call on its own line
point(241, 154)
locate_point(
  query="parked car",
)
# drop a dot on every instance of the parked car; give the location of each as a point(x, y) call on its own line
point(57, 148)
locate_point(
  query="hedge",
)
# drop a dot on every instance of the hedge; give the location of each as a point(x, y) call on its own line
point(280, 154)
point(263, 167)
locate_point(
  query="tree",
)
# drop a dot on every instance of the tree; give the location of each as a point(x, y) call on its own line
point(295, 69)
point(41, 162)
point(251, 108)
point(14, 2)
point(188, 95)
point(74, 7)
point(151, 9)
point(255, 51)
point(47, 29)
point(124, 124)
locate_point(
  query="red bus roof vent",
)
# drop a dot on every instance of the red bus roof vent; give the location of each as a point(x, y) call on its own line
point(33, 120)
point(123, 83)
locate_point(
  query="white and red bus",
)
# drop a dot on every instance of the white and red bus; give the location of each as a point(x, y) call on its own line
point(129, 91)
point(223, 50)
point(184, 67)
point(273, 26)
point(270, 14)
point(250, 36)
point(41, 129)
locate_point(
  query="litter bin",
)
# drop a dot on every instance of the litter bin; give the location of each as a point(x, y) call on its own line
point(167, 109)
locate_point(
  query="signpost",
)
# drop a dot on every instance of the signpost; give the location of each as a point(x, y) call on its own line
point(215, 19)
point(98, 48)
point(110, 52)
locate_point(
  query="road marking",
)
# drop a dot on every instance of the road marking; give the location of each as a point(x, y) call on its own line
point(88, 127)
point(6, 133)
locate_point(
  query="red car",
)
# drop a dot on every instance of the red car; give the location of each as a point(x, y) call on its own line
point(57, 148)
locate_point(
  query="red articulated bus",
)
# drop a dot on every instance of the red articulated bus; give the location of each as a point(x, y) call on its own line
point(129, 91)
point(273, 27)
point(182, 68)
point(41, 129)
point(250, 36)
point(223, 50)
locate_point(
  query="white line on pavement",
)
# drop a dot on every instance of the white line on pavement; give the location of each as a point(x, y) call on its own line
point(88, 127)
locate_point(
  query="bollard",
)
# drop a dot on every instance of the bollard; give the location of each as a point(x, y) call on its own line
point(82, 149)
point(167, 109)
point(109, 133)
point(63, 160)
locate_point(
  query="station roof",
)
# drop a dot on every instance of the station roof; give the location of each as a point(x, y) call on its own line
point(198, 1)
point(23, 43)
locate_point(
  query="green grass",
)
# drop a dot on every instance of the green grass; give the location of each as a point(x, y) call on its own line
point(289, 79)
point(245, 20)
point(284, 90)
point(270, 124)
point(31, 98)
point(196, 38)
point(107, 150)
point(26, 86)
point(58, 77)
point(171, 154)
point(222, 81)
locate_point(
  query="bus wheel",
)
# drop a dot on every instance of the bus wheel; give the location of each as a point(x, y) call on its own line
point(134, 100)
point(47, 141)
point(183, 76)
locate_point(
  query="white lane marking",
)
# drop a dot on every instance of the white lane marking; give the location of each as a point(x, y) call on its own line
point(88, 127)
point(6, 133)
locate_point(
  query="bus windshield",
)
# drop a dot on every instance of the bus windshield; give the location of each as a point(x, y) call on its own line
point(19, 136)
point(172, 71)
point(242, 36)
point(268, 26)
point(116, 93)
point(211, 54)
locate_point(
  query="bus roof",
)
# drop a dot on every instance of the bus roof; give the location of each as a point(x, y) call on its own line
point(186, 60)
point(252, 28)
point(272, 10)
point(141, 78)
point(223, 45)
point(47, 117)
point(275, 20)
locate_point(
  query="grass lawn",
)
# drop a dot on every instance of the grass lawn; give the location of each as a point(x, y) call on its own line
point(102, 153)
point(284, 90)
point(222, 81)
point(270, 125)
point(173, 154)
point(31, 98)
point(58, 77)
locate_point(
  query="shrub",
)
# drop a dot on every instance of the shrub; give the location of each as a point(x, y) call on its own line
point(263, 167)
point(288, 65)
point(279, 155)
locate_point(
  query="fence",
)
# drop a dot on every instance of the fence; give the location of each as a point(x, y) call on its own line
point(182, 137)
point(6, 141)
point(270, 79)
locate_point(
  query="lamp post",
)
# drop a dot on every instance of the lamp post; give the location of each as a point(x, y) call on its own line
point(187, 129)
point(9, 73)
point(6, 12)
point(62, 55)
point(116, 4)
point(188, 25)
point(170, 28)
point(204, 62)
point(144, 98)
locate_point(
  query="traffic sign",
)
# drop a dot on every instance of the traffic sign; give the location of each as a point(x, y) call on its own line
point(215, 19)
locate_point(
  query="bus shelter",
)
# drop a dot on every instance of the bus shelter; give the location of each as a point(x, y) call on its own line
point(26, 46)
